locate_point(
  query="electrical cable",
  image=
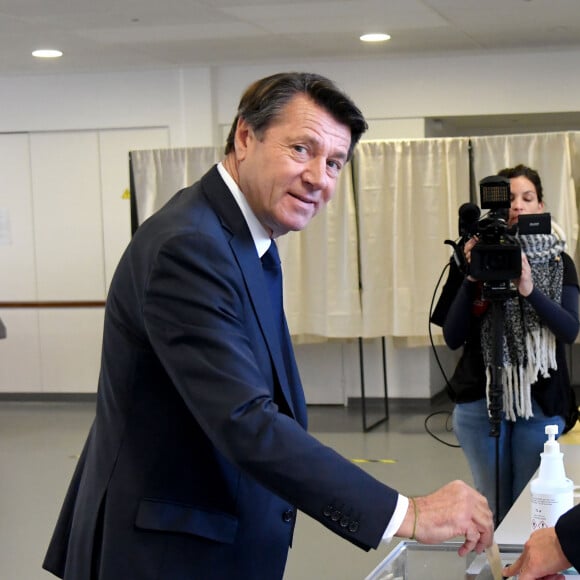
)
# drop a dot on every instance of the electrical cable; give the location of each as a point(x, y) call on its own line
point(448, 428)
point(448, 413)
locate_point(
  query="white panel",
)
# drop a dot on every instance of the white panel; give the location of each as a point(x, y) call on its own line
point(330, 371)
point(408, 370)
point(67, 215)
point(20, 352)
point(324, 384)
point(372, 361)
point(70, 344)
point(17, 267)
point(114, 148)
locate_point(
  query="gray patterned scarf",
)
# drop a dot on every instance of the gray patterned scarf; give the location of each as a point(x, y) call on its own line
point(529, 348)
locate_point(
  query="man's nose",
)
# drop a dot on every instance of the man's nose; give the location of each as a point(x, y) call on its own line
point(315, 174)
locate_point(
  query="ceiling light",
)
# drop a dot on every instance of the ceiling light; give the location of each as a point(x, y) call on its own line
point(375, 37)
point(47, 53)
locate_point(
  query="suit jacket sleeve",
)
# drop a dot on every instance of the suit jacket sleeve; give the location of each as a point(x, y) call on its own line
point(568, 532)
point(198, 318)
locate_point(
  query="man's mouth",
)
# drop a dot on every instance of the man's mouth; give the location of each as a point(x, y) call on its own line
point(302, 199)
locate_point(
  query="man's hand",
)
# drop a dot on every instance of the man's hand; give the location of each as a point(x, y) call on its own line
point(456, 509)
point(542, 558)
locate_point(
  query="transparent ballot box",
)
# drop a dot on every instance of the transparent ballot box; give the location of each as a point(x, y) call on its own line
point(413, 561)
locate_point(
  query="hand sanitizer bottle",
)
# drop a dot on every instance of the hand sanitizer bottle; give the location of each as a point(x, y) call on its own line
point(552, 492)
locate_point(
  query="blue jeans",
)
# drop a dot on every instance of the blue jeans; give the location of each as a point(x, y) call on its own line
point(520, 445)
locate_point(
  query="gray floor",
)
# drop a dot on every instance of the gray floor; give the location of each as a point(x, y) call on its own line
point(40, 442)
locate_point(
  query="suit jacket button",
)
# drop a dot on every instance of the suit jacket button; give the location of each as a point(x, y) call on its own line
point(335, 516)
point(327, 511)
point(353, 527)
point(287, 516)
point(344, 521)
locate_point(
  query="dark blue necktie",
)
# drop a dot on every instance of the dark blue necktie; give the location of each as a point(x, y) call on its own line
point(273, 275)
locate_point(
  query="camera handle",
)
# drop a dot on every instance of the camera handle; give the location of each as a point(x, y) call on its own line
point(495, 404)
point(458, 254)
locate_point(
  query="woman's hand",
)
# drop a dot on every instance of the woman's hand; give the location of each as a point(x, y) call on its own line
point(524, 283)
point(467, 252)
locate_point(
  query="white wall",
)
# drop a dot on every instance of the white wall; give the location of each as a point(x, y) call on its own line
point(395, 94)
point(182, 101)
point(66, 223)
point(194, 102)
point(437, 86)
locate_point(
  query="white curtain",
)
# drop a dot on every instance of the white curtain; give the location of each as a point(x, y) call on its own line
point(160, 173)
point(551, 155)
point(575, 156)
point(321, 279)
point(368, 264)
point(408, 194)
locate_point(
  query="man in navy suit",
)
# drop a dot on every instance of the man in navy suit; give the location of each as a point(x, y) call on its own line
point(550, 550)
point(199, 457)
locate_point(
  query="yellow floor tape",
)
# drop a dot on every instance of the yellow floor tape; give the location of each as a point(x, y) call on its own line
point(374, 460)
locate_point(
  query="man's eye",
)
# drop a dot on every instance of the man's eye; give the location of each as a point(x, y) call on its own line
point(300, 148)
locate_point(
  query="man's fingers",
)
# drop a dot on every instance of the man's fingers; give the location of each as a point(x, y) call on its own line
point(471, 540)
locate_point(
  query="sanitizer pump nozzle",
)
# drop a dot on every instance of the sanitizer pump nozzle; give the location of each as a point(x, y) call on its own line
point(552, 492)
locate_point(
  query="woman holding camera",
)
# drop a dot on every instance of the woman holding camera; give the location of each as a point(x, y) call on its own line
point(540, 318)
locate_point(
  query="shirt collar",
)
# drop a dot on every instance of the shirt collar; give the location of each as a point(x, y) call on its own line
point(260, 236)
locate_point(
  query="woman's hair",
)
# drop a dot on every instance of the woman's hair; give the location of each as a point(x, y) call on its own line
point(263, 101)
point(527, 172)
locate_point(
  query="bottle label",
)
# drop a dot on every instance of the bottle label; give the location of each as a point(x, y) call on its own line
point(547, 508)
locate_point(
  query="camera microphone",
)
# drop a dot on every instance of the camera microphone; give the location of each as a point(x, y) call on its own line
point(468, 215)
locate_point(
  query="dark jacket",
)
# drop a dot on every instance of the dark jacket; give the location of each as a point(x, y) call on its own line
point(568, 532)
point(198, 456)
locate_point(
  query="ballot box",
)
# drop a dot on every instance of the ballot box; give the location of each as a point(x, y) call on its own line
point(412, 561)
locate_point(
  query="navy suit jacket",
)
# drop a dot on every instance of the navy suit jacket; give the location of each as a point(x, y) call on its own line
point(198, 456)
point(568, 532)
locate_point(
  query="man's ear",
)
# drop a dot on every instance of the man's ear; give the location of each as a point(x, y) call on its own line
point(244, 134)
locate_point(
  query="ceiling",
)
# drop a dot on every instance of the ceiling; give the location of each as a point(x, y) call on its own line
point(120, 35)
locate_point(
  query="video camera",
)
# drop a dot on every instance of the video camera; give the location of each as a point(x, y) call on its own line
point(496, 259)
point(497, 255)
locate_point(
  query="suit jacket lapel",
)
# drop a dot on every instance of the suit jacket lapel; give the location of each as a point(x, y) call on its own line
point(244, 250)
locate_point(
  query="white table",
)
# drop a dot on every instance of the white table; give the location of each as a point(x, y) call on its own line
point(515, 528)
